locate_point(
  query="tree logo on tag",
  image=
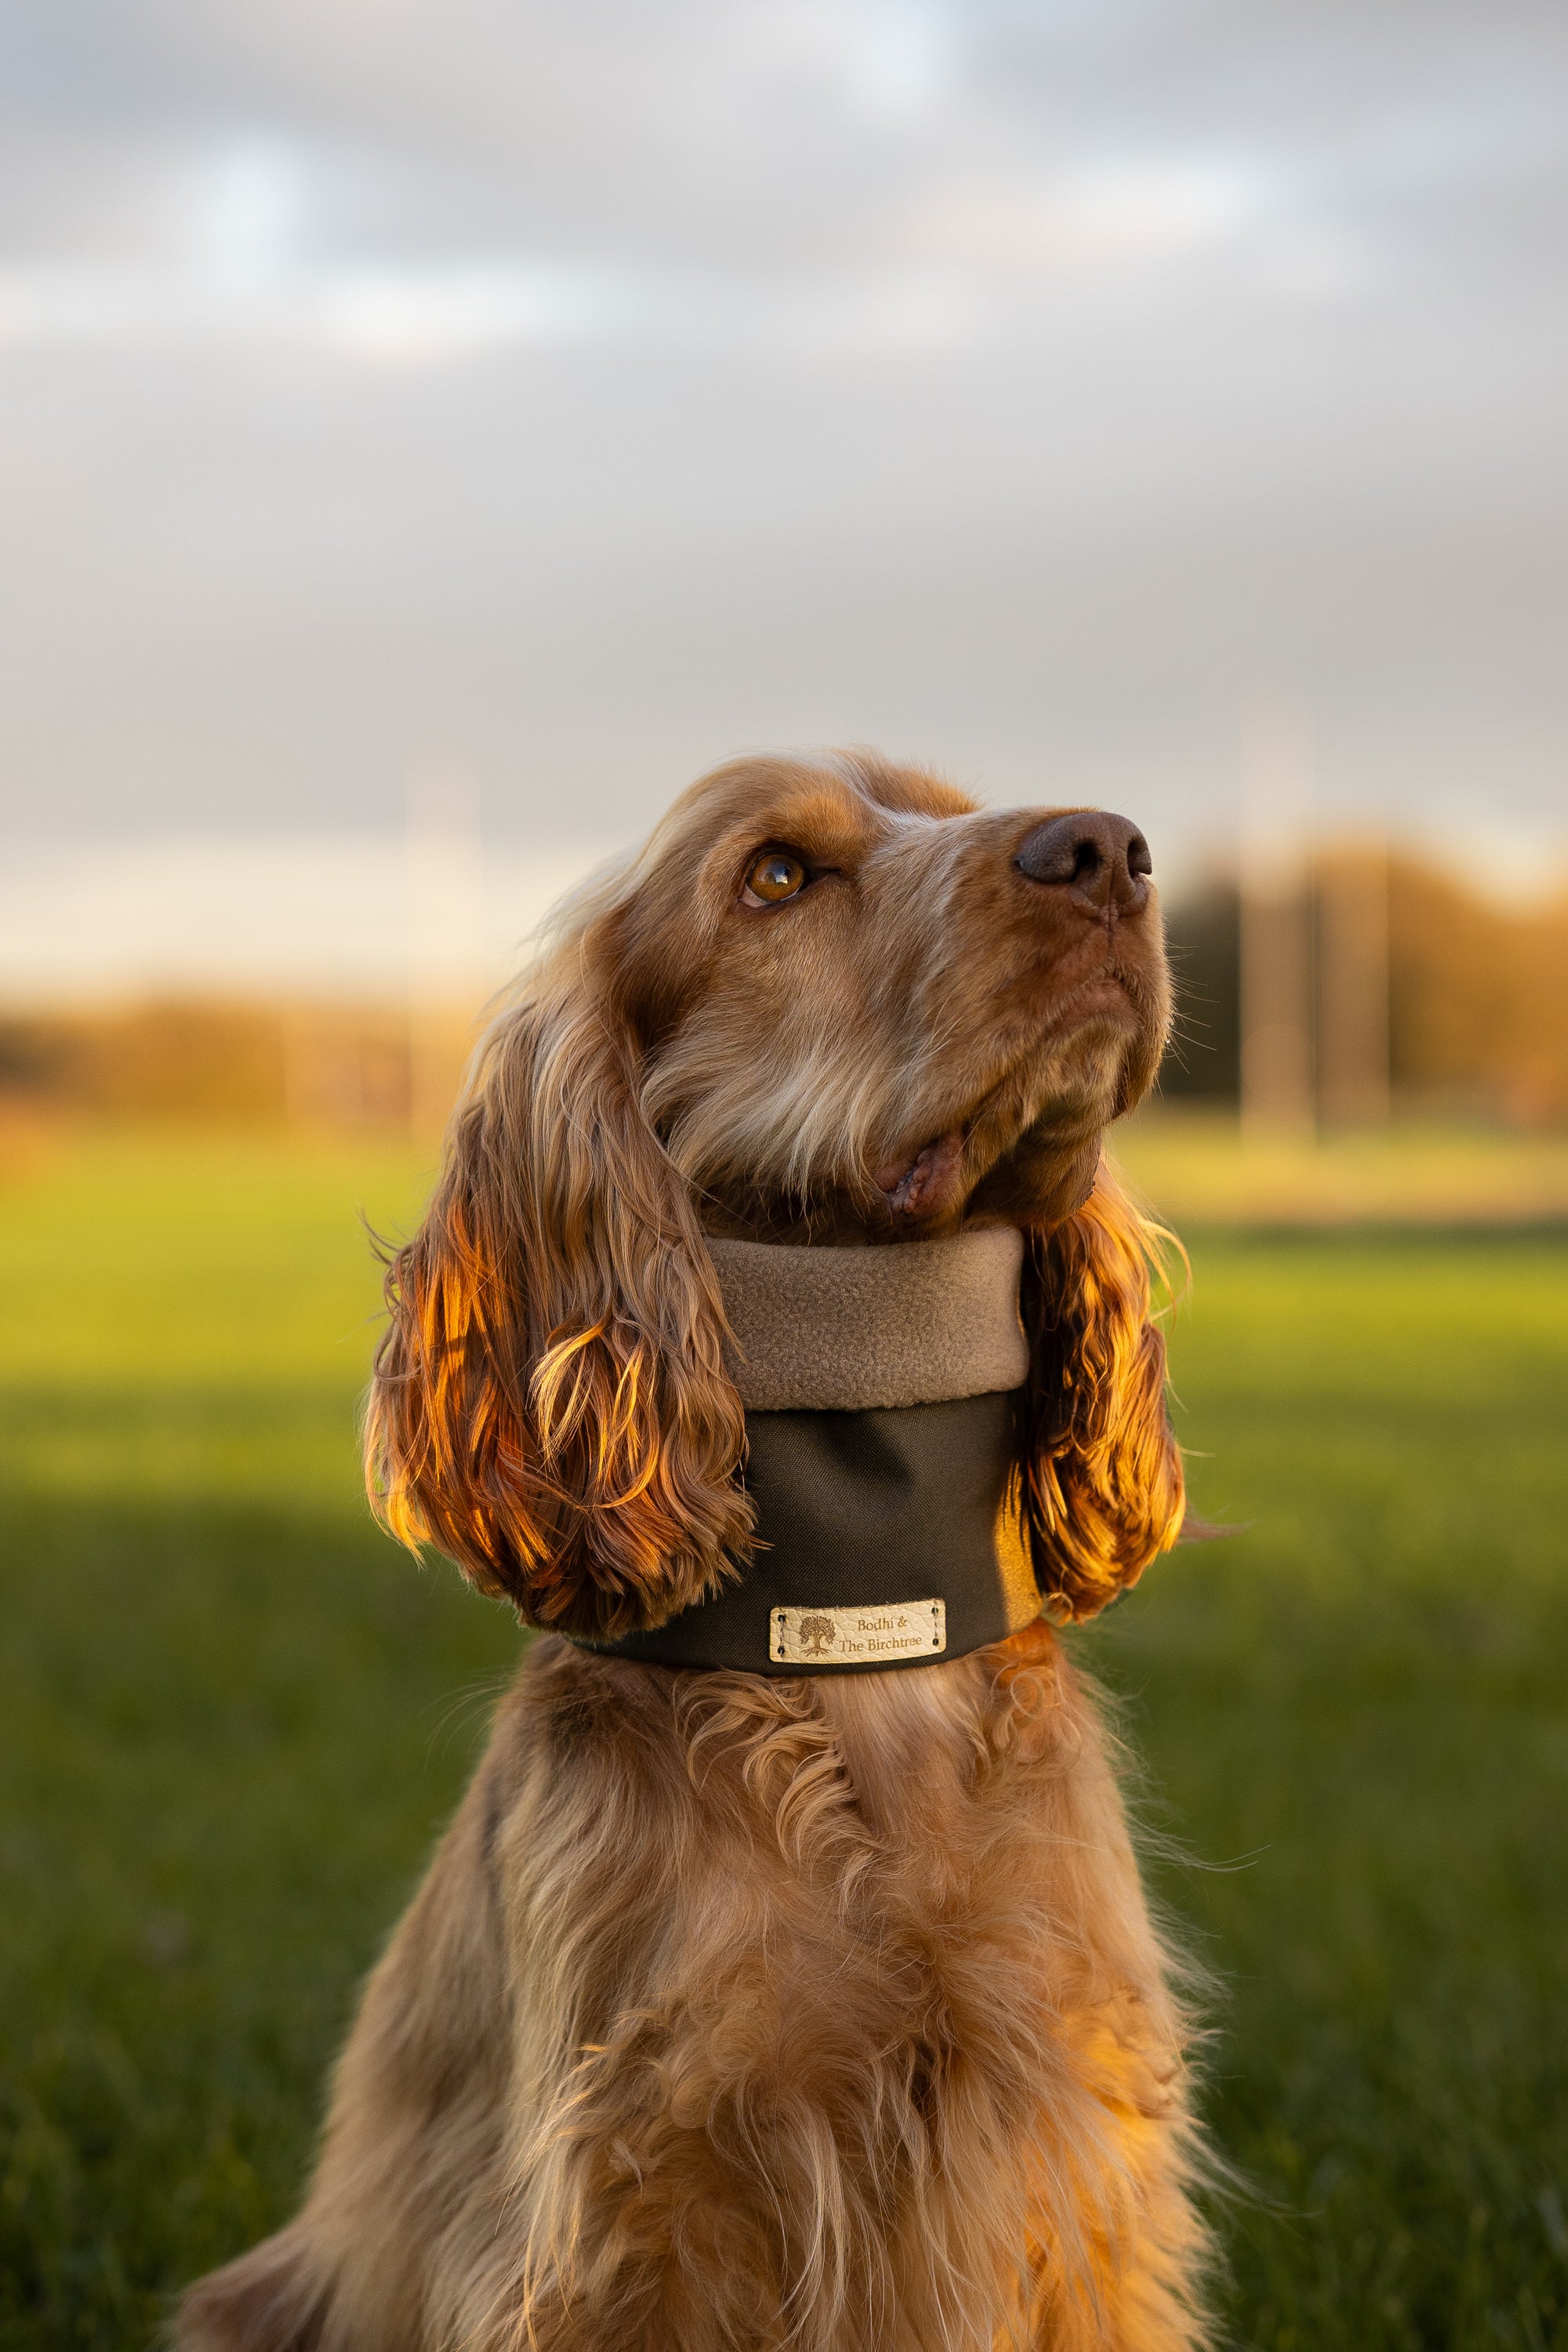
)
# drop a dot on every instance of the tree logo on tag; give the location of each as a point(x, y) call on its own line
point(817, 1632)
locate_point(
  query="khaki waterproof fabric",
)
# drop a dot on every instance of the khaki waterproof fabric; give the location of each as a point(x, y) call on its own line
point(864, 1520)
point(848, 1331)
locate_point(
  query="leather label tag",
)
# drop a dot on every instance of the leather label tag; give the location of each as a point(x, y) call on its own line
point(842, 1636)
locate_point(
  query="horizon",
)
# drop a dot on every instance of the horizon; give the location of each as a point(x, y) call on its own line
point(335, 915)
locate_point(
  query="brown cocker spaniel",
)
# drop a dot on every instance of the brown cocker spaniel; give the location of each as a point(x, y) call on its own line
point(744, 2007)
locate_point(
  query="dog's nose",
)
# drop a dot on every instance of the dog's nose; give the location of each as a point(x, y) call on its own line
point(1103, 859)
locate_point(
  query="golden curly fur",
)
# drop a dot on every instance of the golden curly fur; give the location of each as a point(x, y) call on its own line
point(738, 2014)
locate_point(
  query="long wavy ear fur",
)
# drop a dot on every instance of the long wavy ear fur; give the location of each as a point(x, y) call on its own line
point(1102, 1485)
point(550, 1406)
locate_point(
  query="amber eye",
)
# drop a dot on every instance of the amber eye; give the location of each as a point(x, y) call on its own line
point(774, 875)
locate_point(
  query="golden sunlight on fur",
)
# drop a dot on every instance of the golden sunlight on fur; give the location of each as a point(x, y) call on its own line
point(738, 2012)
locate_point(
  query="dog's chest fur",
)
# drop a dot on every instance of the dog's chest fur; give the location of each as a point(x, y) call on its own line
point(838, 2000)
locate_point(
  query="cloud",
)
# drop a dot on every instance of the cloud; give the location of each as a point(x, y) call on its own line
point(602, 387)
point(243, 249)
point(1100, 215)
point(419, 315)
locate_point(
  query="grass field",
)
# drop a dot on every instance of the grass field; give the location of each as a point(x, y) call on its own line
point(232, 1718)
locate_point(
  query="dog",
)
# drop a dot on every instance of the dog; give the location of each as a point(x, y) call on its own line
point(754, 2005)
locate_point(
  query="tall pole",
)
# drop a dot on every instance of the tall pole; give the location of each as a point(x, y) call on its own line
point(1277, 1079)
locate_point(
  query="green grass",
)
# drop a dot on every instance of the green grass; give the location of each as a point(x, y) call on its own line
point(1359, 1705)
point(232, 1716)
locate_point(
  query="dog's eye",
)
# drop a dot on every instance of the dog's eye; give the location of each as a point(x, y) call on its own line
point(774, 875)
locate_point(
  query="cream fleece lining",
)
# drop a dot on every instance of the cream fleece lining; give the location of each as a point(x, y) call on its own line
point(848, 1331)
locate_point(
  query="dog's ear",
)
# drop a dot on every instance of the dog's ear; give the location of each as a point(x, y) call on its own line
point(550, 1406)
point(1102, 1490)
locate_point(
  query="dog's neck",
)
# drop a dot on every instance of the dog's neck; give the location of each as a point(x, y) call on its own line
point(880, 1389)
point(1041, 1181)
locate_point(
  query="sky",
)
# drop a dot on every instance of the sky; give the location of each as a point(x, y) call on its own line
point(564, 397)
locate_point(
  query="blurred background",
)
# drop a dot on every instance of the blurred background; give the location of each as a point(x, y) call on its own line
point(429, 436)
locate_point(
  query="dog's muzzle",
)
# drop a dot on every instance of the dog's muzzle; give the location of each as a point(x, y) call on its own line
point(880, 1388)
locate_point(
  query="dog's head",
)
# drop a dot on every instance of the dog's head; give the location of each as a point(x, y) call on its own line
point(830, 1000)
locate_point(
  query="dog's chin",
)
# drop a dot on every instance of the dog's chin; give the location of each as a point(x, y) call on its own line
point(1024, 1150)
point(1028, 1148)
point(1097, 1063)
point(1086, 1053)
point(1048, 1174)
point(1027, 1151)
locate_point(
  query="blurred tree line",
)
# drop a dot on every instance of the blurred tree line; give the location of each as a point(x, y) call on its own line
point(1477, 1027)
point(373, 1069)
point(1477, 994)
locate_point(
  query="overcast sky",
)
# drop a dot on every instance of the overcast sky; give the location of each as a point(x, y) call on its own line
point(577, 393)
